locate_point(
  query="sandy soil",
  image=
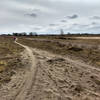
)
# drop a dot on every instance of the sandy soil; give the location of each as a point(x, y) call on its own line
point(52, 77)
point(87, 37)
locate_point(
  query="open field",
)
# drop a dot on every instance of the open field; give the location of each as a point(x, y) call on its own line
point(87, 50)
point(51, 68)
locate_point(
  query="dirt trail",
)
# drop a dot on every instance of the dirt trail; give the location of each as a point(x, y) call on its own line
point(30, 77)
point(53, 77)
point(26, 83)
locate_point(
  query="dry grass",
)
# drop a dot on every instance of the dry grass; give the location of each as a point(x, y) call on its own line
point(86, 50)
point(9, 52)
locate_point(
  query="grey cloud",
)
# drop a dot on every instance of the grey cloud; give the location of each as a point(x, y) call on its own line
point(90, 27)
point(84, 26)
point(73, 16)
point(63, 20)
point(37, 28)
point(96, 17)
point(75, 24)
point(95, 28)
point(53, 24)
point(94, 23)
point(34, 15)
point(36, 10)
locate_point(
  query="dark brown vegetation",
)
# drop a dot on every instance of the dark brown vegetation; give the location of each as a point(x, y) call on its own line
point(9, 58)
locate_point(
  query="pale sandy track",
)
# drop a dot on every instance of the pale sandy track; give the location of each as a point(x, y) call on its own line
point(53, 77)
point(27, 80)
point(87, 37)
point(30, 77)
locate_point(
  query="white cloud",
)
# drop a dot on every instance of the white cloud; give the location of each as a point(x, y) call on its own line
point(50, 15)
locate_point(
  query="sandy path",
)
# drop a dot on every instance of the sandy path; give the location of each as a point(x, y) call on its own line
point(87, 37)
point(30, 77)
point(24, 81)
point(53, 77)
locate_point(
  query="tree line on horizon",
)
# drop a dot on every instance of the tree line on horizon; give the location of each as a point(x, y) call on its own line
point(61, 34)
point(21, 34)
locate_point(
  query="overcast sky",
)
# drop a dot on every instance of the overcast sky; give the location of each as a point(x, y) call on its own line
point(49, 16)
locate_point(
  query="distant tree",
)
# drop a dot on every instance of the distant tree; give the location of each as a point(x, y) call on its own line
point(15, 34)
point(20, 34)
point(23, 34)
point(35, 33)
point(68, 33)
point(32, 34)
point(9, 34)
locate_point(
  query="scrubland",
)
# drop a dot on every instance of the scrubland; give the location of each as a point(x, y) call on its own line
point(87, 50)
point(49, 68)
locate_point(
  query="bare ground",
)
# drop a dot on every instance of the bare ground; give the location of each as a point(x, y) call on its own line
point(52, 77)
